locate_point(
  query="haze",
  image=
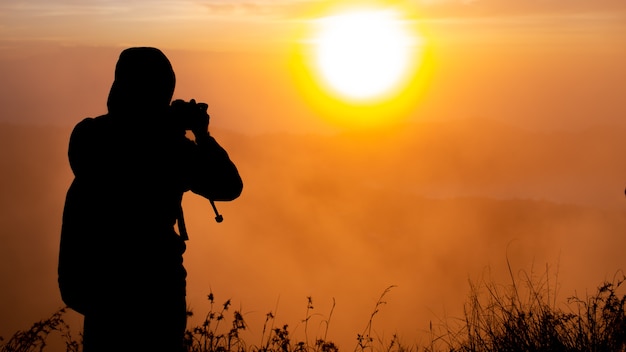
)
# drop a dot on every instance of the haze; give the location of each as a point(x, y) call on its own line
point(513, 149)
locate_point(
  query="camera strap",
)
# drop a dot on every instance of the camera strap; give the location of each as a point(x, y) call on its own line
point(180, 220)
point(218, 217)
point(182, 229)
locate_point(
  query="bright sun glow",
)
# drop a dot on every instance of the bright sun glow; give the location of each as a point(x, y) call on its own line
point(363, 55)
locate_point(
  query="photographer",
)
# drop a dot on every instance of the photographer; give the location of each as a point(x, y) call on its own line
point(120, 261)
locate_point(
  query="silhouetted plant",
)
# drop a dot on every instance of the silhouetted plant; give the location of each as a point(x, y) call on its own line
point(505, 319)
point(600, 321)
point(208, 336)
point(497, 318)
point(365, 339)
point(34, 339)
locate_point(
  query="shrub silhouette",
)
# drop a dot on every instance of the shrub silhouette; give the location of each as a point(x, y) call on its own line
point(511, 319)
point(34, 339)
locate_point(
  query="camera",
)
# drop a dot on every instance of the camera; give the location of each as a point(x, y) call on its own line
point(192, 116)
point(189, 115)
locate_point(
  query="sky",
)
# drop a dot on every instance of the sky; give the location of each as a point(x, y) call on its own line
point(503, 143)
point(546, 63)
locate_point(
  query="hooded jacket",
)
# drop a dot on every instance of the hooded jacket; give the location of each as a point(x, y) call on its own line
point(131, 168)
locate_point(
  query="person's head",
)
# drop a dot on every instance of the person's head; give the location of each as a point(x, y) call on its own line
point(144, 81)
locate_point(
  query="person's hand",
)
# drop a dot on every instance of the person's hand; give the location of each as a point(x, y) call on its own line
point(191, 116)
point(201, 118)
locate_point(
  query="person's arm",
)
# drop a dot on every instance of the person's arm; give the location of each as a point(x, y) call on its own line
point(214, 175)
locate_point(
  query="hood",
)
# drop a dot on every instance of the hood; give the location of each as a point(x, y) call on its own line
point(144, 81)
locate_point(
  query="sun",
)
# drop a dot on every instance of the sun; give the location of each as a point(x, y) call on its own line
point(363, 55)
point(365, 65)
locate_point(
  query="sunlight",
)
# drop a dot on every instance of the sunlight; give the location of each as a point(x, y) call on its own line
point(363, 54)
point(362, 66)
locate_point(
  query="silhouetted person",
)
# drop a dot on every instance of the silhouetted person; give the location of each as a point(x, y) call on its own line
point(120, 262)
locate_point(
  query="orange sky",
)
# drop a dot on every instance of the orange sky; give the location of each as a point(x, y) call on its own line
point(511, 147)
point(544, 63)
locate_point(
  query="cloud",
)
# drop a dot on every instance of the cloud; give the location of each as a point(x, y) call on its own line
point(265, 9)
point(439, 2)
point(39, 8)
point(124, 23)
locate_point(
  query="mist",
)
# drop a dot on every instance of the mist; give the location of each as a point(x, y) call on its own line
point(425, 207)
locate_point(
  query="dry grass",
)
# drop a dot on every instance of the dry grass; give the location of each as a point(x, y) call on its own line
point(34, 339)
point(520, 316)
point(525, 316)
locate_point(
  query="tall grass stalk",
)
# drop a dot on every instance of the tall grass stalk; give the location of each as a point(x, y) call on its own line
point(365, 339)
